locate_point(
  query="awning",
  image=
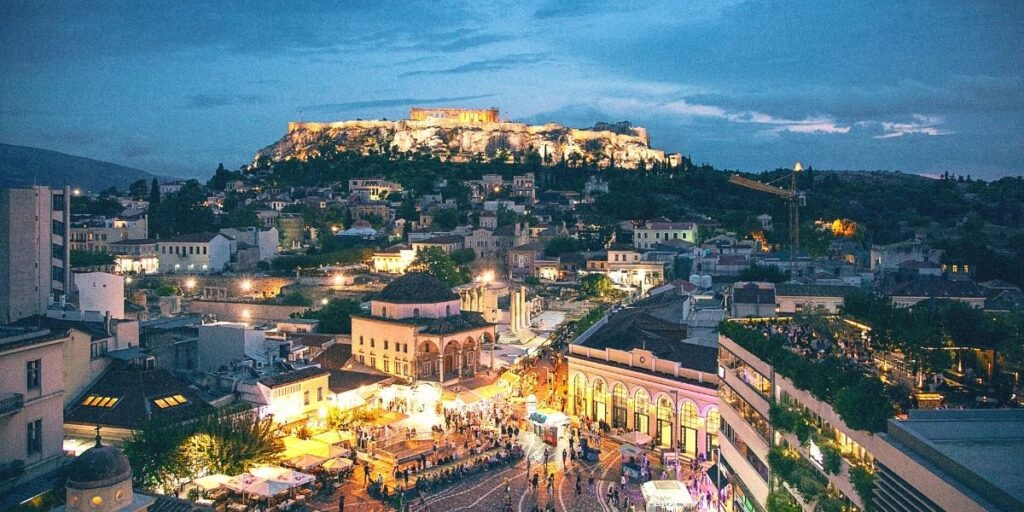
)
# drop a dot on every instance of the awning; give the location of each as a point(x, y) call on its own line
point(210, 482)
point(337, 464)
point(636, 438)
point(670, 494)
point(305, 461)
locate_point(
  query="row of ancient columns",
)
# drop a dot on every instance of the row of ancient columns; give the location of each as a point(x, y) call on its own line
point(519, 314)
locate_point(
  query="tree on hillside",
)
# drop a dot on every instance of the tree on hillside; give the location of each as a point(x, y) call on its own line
point(182, 212)
point(595, 285)
point(445, 219)
point(335, 317)
point(560, 245)
point(154, 193)
point(138, 189)
point(434, 261)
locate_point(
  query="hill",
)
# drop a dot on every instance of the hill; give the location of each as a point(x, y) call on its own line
point(23, 166)
point(603, 145)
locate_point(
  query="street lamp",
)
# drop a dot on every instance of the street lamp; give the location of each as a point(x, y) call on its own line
point(324, 301)
point(246, 285)
point(190, 283)
point(338, 279)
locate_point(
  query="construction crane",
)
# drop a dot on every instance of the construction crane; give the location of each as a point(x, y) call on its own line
point(794, 198)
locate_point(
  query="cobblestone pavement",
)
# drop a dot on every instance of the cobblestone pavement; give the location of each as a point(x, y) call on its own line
point(486, 492)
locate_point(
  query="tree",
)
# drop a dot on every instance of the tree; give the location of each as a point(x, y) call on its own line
point(595, 285)
point(434, 261)
point(335, 317)
point(769, 273)
point(446, 219)
point(155, 455)
point(90, 258)
point(560, 245)
point(138, 189)
point(154, 193)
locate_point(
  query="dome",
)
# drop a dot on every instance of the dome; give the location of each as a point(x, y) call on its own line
point(416, 288)
point(100, 466)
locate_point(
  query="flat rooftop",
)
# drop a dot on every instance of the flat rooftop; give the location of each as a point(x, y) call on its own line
point(981, 449)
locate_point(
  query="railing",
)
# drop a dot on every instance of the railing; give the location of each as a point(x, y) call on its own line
point(11, 403)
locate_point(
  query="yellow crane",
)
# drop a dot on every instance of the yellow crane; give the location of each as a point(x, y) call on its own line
point(794, 198)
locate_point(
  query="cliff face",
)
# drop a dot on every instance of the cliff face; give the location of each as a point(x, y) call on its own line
point(628, 146)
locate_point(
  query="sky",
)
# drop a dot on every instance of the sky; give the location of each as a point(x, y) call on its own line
point(177, 87)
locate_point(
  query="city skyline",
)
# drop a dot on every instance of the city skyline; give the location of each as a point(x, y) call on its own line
point(751, 85)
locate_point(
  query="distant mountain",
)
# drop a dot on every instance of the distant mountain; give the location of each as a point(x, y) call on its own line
point(22, 166)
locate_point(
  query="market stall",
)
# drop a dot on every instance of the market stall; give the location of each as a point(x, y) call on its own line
point(666, 496)
point(550, 425)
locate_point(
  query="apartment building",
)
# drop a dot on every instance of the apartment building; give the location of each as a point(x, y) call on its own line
point(34, 238)
point(199, 252)
point(31, 403)
point(655, 232)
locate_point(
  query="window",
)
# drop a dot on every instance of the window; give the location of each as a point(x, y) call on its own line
point(305, 398)
point(170, 401)
point(57, 251)
point(204, 249)
point(371, 342)
point(97, 349)
point(384, 312)
point(387, 366)
point(690, 418)
point(360, 340)
point(58, 202)
point(35, 436)
point(57, 274)
point(385, 344)
point(57, 227)
point(405, 348)
point(415, 312)
point(191, 249)
point(447, 311)
point(100, 401)
point(33, 373)
point(373, 362)
point(320, 394)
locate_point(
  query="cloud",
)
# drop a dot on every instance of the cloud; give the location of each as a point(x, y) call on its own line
point(924, 125)
point(816, 124)
point(204, 101)
point(567, 8)
point(497, 64)
point(387, 102)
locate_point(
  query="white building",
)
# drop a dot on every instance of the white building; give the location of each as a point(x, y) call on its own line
point(264, 239)
point(373, 189)
point(135, 256)
point(101, 292)
point(224, 344)
point(289, 396)
point(199, 252)
point(655, 232)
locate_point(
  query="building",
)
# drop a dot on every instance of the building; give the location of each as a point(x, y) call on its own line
point(289, 395)
point(911, 292)
point(628, 268)
point(96, 238)
point(101, 292)
point(195, 253)
point(446, 243)
point(394, 259)
point(34, 238)
point(100, 480)
point(135, 256)
point(373, 189)
point(263, 239)
point(654, 232)
point(225, 345)
point(462, 115)
point(934, 460)
point(751, 299)
point(639, 369)
point(795, 298)
point(31, 403)
point(416, 330)
point(494, 244)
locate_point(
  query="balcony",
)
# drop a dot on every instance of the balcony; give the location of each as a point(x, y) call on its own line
point(11, 403)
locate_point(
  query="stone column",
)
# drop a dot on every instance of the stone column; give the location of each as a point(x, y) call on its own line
point(440, 363)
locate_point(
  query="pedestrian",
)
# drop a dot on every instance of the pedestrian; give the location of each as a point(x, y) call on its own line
point(341, 503)
point(608, 495)
point(623, 480)
point(615, 496)
point(565, 454)
point(405, 475)
point(579, 488)
point(590, 482)
point(535, 482)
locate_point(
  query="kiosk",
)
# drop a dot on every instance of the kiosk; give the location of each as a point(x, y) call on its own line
point(666, 496)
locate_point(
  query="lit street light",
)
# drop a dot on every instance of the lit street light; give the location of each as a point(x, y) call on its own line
point(246, 285)
point(324, 301)
point(190, 284)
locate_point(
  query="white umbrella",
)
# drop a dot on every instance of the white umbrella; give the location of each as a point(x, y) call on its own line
point(337, 464)
point(306, 461)
point(636, 438)
point(213, 481)
point(282, 475)
point(244, 483)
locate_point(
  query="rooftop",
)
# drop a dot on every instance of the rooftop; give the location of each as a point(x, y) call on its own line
point(195, 238)
point(980, 449)
point(347, 380)
point(416, 288)
point(17, 337)
point(128, 397)
point(812, 290)
point(289, 377)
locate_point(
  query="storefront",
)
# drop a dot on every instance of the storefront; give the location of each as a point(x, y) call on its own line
point(667, 496)
point(549, 425)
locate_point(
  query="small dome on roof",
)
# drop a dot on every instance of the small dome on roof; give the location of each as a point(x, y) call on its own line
point(100, 466)
point(416, 288)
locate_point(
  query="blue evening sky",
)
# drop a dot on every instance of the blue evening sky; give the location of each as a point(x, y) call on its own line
point(176, 87)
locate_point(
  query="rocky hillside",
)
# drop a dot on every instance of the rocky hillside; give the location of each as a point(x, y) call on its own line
point(622, 144)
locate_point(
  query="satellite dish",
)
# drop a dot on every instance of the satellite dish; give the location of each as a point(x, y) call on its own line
point(798, 167)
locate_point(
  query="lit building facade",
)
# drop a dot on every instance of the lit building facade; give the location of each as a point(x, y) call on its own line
point(463, 115)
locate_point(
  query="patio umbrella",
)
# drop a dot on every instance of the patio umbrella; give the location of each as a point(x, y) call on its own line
point(305, 461)
point(244, 483)
point(210, 482)
point(636, 438)
point(277, 474)
point(337, 464)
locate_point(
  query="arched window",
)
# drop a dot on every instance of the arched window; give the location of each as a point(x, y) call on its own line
point(713, 420)
point(580, 394)
point(448, 310)
point(619, 400)
point(600, 400)
point(415, 312)
point(641, 411)
point(690, 417)
point(665, 418)
point(384, 311)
